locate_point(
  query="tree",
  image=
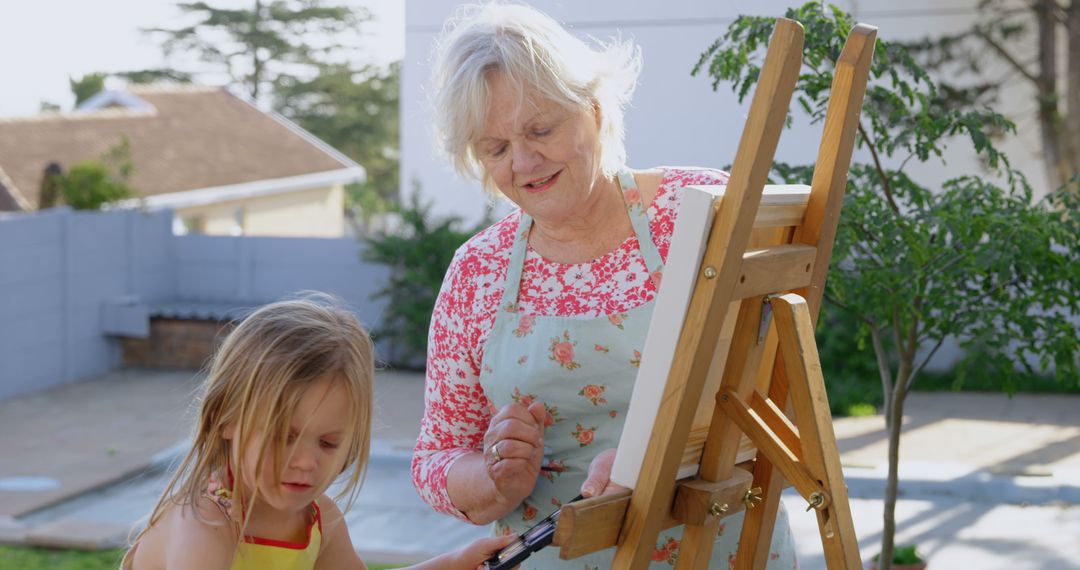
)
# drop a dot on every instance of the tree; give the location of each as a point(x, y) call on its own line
point(356, 112)
point(1026, 37)
point(972, 260)
point(87, 86)
point(156, 75)
point(90, 184)
point(262, 47)
point(49, 192)
point(93, 83)
point(268, 51)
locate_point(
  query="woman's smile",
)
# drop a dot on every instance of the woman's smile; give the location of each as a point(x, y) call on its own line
point(541, 184)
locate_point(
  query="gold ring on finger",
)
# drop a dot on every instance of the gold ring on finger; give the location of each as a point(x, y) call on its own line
point(495, 457)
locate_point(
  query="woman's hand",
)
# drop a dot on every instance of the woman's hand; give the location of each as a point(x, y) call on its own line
point(514, 449)
point(598, 482)
point(489, 484)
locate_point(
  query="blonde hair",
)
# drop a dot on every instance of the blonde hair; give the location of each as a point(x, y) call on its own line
point(255, 382)
point(538, 57)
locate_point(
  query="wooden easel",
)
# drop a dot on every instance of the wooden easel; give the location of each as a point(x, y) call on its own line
point(756, 263)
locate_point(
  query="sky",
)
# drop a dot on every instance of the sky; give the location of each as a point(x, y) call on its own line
point(44, 42)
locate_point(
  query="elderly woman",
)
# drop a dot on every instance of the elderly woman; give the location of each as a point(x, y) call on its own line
point(536, 335)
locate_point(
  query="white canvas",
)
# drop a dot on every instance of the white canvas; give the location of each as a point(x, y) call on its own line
point(688, 243)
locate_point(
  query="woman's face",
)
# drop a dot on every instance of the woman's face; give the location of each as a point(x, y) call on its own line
point(539, 154)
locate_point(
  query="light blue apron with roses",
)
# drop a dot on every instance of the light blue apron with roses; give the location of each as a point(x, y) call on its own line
point(583, 369)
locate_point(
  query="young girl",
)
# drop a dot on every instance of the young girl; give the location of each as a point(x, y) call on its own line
point(286, 409)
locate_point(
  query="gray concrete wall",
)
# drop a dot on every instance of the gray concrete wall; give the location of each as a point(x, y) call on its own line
point(58, 269)
point(261, 269)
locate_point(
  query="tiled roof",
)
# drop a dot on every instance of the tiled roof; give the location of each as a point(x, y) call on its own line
point(194, 137)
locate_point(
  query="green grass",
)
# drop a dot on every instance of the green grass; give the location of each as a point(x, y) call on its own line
point(23, 558)
point(903, 555)
point(860, 409)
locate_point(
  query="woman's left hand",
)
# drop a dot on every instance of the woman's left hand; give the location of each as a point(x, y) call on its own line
point(514, 449)
point(598, 481)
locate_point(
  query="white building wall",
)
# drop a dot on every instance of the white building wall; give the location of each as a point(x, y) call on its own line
point(311, 213)
point(316, 212)
point(676, 119)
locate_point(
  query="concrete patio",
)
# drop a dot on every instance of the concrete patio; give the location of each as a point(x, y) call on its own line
point(986, 481)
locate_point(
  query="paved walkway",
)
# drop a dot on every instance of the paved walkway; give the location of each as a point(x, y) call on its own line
point(60, 443)
point(987, 481)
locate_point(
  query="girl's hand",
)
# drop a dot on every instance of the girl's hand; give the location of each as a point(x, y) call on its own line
point(474, 555)
point(598, 482)
point(514, 449)
point(471, 557)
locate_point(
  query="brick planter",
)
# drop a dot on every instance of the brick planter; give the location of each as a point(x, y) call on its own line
point(175, 343)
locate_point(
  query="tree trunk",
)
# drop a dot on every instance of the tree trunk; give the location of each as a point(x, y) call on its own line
point(256, 63)
point(1071, 134)
point(894, 420)
point(1046, 82)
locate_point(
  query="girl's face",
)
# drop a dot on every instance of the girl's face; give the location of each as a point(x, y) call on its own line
point(315, 452)
point(541, 155)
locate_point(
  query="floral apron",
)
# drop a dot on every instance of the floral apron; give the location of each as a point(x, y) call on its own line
point(583, 369)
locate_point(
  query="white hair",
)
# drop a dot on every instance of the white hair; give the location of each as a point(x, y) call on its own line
point(539, 58)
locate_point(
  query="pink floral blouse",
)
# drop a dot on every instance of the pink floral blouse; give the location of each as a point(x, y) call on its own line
point(456, 411)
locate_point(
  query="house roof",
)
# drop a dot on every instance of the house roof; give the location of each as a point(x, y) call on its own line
point(183, 138)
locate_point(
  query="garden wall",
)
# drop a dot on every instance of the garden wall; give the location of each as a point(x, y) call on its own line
point(72, 284)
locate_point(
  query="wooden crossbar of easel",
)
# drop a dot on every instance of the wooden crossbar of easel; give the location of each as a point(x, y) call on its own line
point(764, 271)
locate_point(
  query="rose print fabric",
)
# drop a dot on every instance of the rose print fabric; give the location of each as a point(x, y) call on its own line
point(577, 351)
point(456, 410)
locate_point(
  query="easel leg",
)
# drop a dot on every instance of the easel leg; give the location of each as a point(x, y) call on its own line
point(818, 441)
point(758, 526)
point(697, 545)
point(759, 521)
point(722, 444)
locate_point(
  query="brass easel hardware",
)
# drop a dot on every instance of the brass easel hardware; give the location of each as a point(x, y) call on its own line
point(818, 501)
point(752, 498)
point(717, 509)
point(710, 272)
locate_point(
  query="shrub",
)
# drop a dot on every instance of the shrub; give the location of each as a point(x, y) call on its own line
point(848, 365)
point(89, 185)
point(93, 183)
point(418, 252)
